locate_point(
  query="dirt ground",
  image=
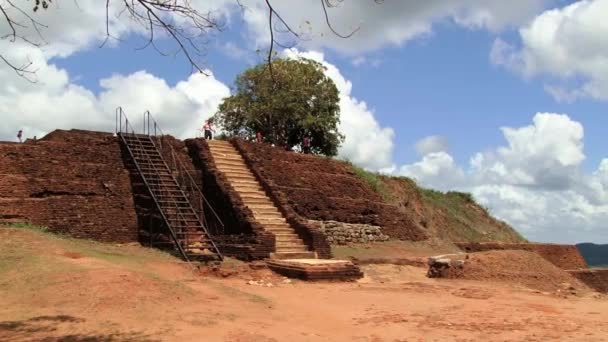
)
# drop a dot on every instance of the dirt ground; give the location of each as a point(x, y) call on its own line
point(59, 289)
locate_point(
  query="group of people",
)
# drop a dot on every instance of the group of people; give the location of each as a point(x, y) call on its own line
point(209, 131)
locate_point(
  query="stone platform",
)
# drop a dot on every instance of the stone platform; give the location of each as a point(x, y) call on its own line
point(316, 269)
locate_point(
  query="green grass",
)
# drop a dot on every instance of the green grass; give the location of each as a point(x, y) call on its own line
point(112, 253)
point(373, 179)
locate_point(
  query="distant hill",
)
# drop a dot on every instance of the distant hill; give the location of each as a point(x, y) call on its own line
point(595, 255)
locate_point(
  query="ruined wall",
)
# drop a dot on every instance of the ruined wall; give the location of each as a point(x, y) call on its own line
point(597, 279)
point(566, 257)
point(340, 233)
point(73, 182)
point(324, 189)
point(243, 237)
point(309, 233)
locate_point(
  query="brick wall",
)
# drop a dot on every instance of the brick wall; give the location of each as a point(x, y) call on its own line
point(597, 279)
point(74, 182)
point(566, 257)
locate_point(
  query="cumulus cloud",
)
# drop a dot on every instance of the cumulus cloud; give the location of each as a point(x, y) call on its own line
point(534, 181)
point(567, 43)
point(431, 144)
point(56, 102)
point(387, 23)
point(180, 109)
point(366, 143)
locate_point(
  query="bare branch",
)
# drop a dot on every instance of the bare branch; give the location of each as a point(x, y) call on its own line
point(323, 4)
point(24, 70)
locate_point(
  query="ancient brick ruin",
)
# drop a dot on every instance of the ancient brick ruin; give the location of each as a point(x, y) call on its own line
point(74, 182)
point(84, 184)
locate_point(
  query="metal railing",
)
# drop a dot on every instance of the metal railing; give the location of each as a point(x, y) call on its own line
point(125, 129)
point(209, 217)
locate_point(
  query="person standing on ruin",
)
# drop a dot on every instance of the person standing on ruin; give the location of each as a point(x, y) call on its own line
point(306, 145)
point(208, 129)
point(258, 137)
point(20, 135)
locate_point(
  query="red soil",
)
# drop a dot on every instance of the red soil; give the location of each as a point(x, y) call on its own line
point(518, 267)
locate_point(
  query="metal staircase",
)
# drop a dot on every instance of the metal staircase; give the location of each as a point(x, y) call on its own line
point(176, 196)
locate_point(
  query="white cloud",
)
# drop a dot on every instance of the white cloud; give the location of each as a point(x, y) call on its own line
point(387, 23)
point(436, 168)
point(180, 110)
point(367, 143)
point(567, 43)
point(534, 182)
point(431, 144)
point(56, 102)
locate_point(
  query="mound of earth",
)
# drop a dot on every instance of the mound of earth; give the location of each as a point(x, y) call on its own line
point(452, 216)
point(517, 267)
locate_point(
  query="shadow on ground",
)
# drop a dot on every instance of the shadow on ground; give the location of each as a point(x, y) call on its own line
point(54, 328)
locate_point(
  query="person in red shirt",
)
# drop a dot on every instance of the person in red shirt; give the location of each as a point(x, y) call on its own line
point(258, 137)
point(306, 145)
point(20, 135)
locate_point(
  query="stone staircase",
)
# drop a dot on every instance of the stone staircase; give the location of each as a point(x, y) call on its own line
point(230, 162)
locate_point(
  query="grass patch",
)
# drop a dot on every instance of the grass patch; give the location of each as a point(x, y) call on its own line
point(109, 252)
point(372, 179)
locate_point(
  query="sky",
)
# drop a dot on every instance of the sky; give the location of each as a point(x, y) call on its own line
point(506, 100)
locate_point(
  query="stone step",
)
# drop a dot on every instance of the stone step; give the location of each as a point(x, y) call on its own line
point(242, 174)
point(243, 181)
point(291, 249)
point(291, 234)
point(255, 199)
point(281, 231)
point(262, 218)
point(293, 255)
point(263, 207)
point(229, 162)
point(236, 172)
point(266, 216)
point(221, 155)
point(272, 220)
point(233, 167)
point(245, 188)
point(218, 143)
point(278, 225)
point(249, 201)
point(290, 244)
point(266, 213)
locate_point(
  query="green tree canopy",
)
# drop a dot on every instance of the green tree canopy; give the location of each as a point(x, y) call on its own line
point(291, 101)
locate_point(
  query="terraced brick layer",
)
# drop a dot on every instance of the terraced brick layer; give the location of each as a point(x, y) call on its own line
point(325, 189)
point(566, 257)
point(73, 181)
point(596, 278)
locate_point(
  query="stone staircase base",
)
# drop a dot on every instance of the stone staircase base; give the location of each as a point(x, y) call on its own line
point(316, 269)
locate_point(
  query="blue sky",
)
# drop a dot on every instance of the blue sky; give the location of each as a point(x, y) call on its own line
point(440, 84)
point(433, 84)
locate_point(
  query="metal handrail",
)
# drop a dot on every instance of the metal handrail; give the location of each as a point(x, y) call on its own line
point(177, 165)
point(119, 132)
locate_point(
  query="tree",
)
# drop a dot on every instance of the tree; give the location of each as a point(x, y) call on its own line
point(295, 101)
